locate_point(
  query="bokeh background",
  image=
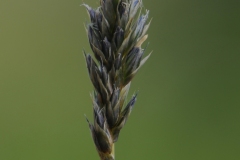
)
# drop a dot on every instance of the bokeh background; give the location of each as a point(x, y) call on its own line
point(188, 106)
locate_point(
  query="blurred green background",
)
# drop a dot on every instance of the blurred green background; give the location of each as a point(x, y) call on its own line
point(188, 106)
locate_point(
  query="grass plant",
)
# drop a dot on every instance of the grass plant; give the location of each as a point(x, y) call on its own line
point(116, 33)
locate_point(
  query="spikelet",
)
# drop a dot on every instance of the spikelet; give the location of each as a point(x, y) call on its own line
point(116, 33)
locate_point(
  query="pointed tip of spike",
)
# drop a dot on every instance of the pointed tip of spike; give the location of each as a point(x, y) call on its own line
point(136, 93)
point(83, 3)
point(84, 52)
point(135, 97)
point(86, 118)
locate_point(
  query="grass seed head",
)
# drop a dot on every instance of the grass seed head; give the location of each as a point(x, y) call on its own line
point(115, 33)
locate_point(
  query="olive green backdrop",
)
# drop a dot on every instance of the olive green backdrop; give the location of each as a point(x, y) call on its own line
point(188, 106)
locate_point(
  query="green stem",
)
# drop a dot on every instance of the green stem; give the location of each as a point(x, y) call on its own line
point(113, 151)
